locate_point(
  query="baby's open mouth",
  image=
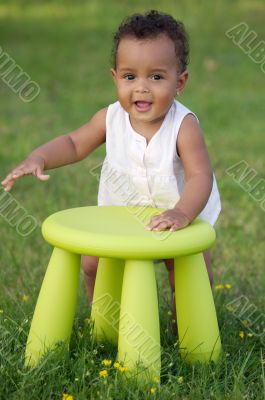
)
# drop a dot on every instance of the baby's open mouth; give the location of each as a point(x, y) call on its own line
point(143, 105)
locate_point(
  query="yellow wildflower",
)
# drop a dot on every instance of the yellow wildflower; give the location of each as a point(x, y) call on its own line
point(242, 334)
point(180, 379)
point(123, 369)
point(25, 298)
point(67, 396)
point(228, 286)
point(103, 373)
point(107, 363)
point(250, 334)
point(152, 390)
point(116, 365)
point(219, 286)
point(245, 322)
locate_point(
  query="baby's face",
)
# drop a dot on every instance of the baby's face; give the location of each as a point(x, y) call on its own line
point(146, 77)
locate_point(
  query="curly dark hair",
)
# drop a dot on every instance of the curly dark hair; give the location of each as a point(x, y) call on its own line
point(150, 25)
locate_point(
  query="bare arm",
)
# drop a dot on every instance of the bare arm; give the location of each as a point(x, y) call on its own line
point(197, 167)
point(198, 175)
point(74, 146)
point(63, 150)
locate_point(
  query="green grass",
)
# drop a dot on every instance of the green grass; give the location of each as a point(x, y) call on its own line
point(65, 47)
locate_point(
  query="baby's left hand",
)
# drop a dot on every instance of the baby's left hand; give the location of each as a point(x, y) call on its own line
point(173, 219)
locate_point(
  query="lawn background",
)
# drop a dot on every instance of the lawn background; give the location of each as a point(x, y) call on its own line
point(65, 47)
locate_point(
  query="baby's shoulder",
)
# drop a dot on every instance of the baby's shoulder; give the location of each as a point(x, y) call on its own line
point(189, 126)
point(189, 132)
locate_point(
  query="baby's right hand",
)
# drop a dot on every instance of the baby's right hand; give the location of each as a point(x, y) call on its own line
point(33, 165)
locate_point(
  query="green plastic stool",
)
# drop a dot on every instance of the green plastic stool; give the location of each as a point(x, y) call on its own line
point(125, 306)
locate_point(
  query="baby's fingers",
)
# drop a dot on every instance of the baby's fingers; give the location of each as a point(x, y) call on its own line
point(7, 184)
point(7, 178)
point(178, 225)
point(41, 176)
point(154, 221)
point(18, 173)
point(175, 227)
point(9, 181)
point(160, 224)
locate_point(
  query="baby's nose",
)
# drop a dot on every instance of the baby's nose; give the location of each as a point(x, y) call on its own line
point(142, 87)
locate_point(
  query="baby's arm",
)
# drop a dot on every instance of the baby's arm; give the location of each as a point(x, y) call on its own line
point(63, 150)
point(198, 175)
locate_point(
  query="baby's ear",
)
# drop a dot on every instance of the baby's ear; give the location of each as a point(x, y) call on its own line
point(114, 74)
point(182, 80)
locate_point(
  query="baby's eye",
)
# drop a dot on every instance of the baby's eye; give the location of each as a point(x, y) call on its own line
point(156, 77)
point(129, 77)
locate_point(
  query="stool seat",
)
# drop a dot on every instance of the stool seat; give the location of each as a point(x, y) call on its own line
point(121, 232)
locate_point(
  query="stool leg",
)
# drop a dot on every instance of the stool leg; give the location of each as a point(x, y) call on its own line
point(54, 313)
point(196, 316)
point(105, 311)
point(139, 333)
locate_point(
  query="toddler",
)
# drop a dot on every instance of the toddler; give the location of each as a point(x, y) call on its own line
point(154, 144)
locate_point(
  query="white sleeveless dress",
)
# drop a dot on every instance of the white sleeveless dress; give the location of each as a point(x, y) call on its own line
point(134, 173)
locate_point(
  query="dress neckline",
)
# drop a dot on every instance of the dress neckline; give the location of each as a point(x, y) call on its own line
point(141, 137)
